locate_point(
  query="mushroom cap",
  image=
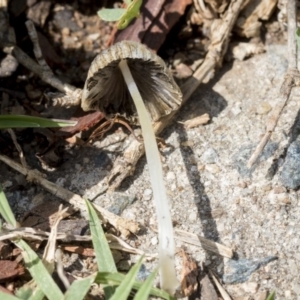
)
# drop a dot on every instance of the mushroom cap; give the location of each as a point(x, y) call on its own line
point(105, 88)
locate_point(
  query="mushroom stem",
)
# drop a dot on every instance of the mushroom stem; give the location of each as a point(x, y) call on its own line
point(168, 278)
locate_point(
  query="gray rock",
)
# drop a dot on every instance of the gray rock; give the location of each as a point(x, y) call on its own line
point(210, 156)
point(241, 269)
point(240, 159)
point(143, 273)
point(120, 202)
point(290, 174)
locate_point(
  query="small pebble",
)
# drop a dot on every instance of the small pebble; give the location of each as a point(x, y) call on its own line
point(94, 36)
point(236, 110)
point(287, 294)
point(154, 241)
point(147, 195)
point(171, 176)
point(212, 168)
point(210, 156)
point(250, 287)
point(193, 216)
point(187, 143)
point(183, 71)
point(263, 108)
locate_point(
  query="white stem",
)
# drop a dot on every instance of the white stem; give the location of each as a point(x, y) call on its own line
point(168, 278)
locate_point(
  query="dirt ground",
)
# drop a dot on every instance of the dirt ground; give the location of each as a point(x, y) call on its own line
point(212, 193)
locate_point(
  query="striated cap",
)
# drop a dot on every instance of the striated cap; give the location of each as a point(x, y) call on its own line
point(106, 90)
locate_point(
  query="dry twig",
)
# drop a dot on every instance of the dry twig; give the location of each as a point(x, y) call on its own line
point(291, 79)
point(31, 234)
point(206, 244)
point(222, 291)
point(125, 226)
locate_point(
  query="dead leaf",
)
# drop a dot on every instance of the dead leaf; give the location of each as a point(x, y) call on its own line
point(189, 275)
point(155, 21)
point(10, 269)
point(83, 123)
point(79, 250)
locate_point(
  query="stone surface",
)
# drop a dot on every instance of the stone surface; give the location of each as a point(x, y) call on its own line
point(290, 174)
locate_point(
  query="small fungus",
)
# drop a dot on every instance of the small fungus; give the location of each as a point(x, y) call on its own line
point(130, 80)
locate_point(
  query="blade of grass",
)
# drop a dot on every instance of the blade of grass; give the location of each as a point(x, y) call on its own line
point(271, 296)
point(39, 272)
point(103, 254)
point(105, 260)
point(5, 210)
point(30, 291)
point(79, 288)
point(111, 14)
point(144, 291)
point(20, 121)
point(4, 296)
point(124, 289)
point(117, 278)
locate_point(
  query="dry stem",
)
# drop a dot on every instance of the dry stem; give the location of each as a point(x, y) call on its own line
point(291, 76)
point(125, 226)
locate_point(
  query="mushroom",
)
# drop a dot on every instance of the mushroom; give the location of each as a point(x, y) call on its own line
point(128, 78)
point(106, 90)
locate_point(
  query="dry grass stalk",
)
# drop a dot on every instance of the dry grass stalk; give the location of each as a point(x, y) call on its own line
point(291, 79)
point(49, 253)
point(221, 290)
point(125, 226)
point(206, 244)
point(200, 120)
point(31, 234)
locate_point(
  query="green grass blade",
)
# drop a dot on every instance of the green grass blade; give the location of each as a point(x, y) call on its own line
point(4, 296)
point(144, 292)
point(271, 296)
point(17, 124)
point(111, 14)
point(39, 272)
point(20, 121)
point(105, 260)
point(5, 210)
point(124, 289)
point(117, 278)
point(298, 38)
point(79, 288)
point(103, 254)
point(37, 294)
point(30, 291)
point(132, 11)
